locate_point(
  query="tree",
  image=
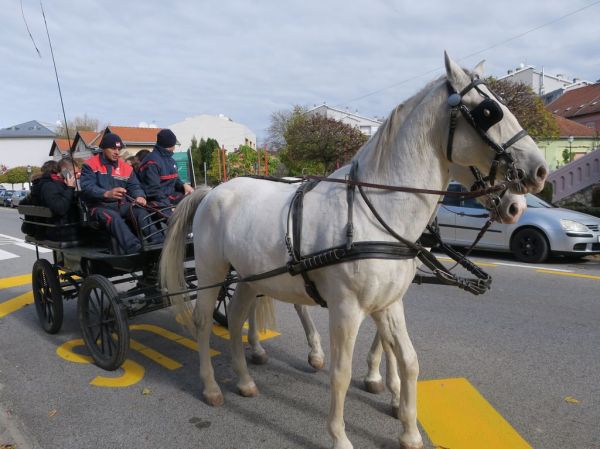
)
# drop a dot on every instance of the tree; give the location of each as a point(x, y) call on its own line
point(321, 140)
point(202, 152)
point(84, 123)
point(18, 175)
point(280, 121)
point(527, 107)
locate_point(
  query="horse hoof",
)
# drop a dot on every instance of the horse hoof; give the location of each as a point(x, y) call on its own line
point(396, 411)
point(418, 446)
point(259, 359)
point(374, 386)
point(214, 399)
point(248, 391)
point(316, 362)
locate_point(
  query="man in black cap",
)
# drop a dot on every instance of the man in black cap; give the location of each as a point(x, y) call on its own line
point(158, 172)
point(111, 189)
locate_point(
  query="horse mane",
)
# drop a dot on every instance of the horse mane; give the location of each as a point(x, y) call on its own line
point(387, 131)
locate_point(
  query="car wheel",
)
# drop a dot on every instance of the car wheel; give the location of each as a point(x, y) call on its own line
point(530, 245)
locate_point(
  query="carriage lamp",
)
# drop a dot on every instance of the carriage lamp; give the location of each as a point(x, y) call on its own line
point(573, 226)
point(29, 176)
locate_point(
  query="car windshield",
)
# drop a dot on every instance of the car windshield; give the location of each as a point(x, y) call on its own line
point(535, 202)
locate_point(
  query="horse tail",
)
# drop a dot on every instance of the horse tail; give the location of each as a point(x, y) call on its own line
point(171, 269)
point(265, 314)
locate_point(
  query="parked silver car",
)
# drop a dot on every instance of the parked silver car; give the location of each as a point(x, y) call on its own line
point(18, 196)
point(542, 230)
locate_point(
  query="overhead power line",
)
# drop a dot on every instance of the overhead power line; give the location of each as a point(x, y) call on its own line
point(498, 44)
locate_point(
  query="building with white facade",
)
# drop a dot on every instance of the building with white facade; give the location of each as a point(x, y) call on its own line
point(546, 85)
point(25, 144)
point(224, 130)
point(368, 126)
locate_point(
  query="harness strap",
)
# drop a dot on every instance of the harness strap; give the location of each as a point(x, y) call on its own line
point(297, 207)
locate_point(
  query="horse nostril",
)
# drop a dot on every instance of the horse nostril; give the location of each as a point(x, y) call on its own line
point(541, 173)
point(513, 210)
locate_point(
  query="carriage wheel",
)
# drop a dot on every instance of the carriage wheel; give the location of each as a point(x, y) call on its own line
point(103, 322)
point(47, 296)
point(220, 313)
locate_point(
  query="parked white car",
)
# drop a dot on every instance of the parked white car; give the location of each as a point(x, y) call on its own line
point(542, 230)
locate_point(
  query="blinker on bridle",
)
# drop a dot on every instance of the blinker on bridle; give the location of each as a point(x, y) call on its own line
point(482, 117)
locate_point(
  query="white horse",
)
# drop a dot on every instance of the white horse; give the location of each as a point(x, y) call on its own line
point(243, 223)
point(506, 209)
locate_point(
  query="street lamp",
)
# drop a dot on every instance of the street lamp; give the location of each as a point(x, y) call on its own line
point(29, 176)
point(570, 143)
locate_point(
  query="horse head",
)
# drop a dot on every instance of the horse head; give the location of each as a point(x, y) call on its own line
point(485, 134)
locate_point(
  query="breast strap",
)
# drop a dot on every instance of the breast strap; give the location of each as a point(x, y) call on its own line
point(301, 264)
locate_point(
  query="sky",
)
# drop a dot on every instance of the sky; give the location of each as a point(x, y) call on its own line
point(130, 61)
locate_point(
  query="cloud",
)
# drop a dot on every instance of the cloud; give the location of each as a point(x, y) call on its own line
point(129, 61)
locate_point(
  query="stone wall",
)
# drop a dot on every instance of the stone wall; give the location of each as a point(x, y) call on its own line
point(583, 196)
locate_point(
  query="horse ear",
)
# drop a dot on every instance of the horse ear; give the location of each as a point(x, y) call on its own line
point(478, 70)
point(455, 74)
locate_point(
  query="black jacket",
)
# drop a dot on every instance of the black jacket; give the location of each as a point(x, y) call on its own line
point(51, 192)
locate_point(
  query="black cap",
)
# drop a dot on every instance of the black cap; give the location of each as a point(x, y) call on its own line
point(166, 138)
point(111, 140)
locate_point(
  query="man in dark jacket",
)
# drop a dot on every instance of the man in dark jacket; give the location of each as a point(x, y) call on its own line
point(112, 191)
point(158, 172)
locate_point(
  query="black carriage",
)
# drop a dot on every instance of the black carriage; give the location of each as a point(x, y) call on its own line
point(111, 288)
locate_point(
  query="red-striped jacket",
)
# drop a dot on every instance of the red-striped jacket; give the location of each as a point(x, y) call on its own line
point(158, 176)
point(98, 175)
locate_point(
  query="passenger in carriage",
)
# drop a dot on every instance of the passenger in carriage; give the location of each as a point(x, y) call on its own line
point(111, 189)
point(158, 173)
point(55, 189)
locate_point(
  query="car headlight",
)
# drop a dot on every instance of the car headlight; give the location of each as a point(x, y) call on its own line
point(573, 226)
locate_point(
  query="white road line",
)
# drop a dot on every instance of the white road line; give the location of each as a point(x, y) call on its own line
point(533, 267)
point(6, 255)
point(6, 239)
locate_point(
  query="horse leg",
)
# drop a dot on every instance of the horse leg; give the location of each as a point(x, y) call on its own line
point(259, 355)
point(344, 321)
point(374, 381)
point(203, 320)
point(392, 330)
point(240, 305)
point(316, 356)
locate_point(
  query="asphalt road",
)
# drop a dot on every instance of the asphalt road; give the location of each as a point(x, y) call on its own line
point(529, 348)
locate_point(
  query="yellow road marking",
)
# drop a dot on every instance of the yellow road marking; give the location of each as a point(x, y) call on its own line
point(15, 281)
point(223, 332)
point(188, 343)
point(65, 351)
point(16, 303)
point(575, 275)
point(455, 415)
point(132, 373)
point(479, 264)
point(155, 356)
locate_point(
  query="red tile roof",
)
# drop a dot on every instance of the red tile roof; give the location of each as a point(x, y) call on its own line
point(577, 102)
point(91, 138)
point(131, 135)
point(570, 128)
point(61, 144)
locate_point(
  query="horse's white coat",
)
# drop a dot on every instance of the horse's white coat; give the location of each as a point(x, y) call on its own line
point(243, 223)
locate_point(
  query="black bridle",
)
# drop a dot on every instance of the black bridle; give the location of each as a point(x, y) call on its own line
point(481, 118)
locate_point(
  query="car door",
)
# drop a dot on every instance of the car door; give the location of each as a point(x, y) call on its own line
point(446, 215)
point(469, 224)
